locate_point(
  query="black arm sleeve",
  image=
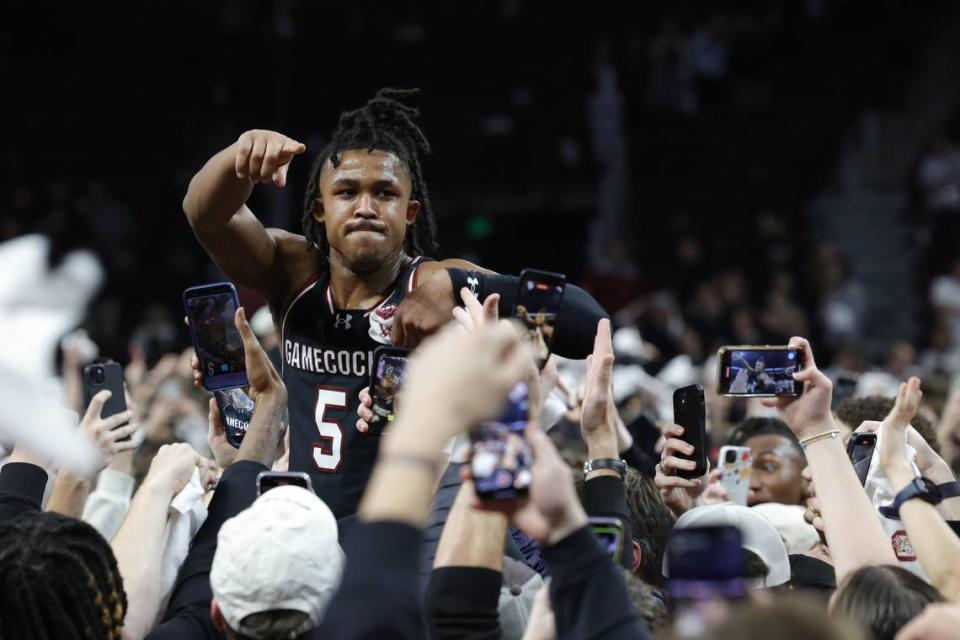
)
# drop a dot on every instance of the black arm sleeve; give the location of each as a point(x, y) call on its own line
point(189, 605)
point(462, 602)
point(576, 322)
point(640, 460)
point(380, 595)
point(588, 594)
point(21, 489)
point(605, 496)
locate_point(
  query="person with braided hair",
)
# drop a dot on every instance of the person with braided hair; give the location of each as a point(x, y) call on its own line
point(358, 277)
point(60, 581)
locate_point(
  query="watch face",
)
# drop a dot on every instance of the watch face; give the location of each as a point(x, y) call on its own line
point(931, 490)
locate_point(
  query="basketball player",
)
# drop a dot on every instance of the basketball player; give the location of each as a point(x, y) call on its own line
point(357, 277)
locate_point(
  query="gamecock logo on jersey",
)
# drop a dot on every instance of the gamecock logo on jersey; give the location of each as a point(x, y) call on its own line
point(381, 321)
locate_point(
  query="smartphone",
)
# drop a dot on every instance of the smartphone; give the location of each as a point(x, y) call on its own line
point(109, 376)
point(609, 532)
point(386, 379)
point(538, 304)
point(758, 371)
point(216, 340)
point(706, 563)
point(860, 448)
point(689, 411)
point(501, 457)
point(735, 465)
point(267, 480)
point(236, 410)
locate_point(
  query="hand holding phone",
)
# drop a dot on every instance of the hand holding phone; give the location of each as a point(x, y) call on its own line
point(689, 411)
point(758, 371)
point(537, 307)
point(860, 449)
point(211, 310)
point(736, 464)
point(501, 456)
point(105, 376)
point(386, 380)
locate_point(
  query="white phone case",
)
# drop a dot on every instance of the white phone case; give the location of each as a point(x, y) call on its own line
point(735, 476)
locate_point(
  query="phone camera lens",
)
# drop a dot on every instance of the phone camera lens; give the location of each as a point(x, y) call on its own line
point(98, 375)
point(731, 457)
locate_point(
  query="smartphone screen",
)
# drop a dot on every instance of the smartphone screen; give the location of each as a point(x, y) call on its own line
point(609, 532)
point(860, 448)
point(236, 410)
point(689, 411)
point(537, 306)
point(105, 376)
point(386, 380)
point(500, 464)
point(759, 371)
point(211, 309)
point(267, 480)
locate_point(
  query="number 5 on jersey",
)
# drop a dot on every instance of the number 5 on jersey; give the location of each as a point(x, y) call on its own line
point(327, 454)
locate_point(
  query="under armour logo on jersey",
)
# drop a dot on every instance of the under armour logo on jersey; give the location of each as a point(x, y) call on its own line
point(474, 283)
point(342, 321)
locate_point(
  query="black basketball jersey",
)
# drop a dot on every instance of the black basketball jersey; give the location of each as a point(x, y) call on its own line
point(327, 354)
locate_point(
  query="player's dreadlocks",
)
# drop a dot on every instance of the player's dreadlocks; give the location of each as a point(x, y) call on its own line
point(59, 581)
point(386, 123)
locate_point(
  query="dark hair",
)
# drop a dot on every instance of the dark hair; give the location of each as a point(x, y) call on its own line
point(854, 411)
point(277, 623)
point(752, 427)
point(650, 523)
point(384, 123)
point(60, 580)
point(756, 568)
point(883, 599)
point(650, 607)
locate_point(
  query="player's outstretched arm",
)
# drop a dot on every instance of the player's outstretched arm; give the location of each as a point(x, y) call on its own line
point(249, 254)
point(429, 307)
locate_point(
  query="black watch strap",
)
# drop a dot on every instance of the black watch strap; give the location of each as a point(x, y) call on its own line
point(949, 489)
point(620, 466)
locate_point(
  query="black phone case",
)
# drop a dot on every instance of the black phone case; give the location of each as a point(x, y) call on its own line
point(689, 411)
point(113, 382)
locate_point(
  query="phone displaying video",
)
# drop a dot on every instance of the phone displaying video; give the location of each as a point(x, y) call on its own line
point(537, 306)
point(501, 460)
point(386, 380)
point(267, 480)
point(609, 533)
point(758, 371)
point(236, 410)
point(210, 310)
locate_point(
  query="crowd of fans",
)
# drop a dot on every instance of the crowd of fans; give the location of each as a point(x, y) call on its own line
point(147, 523)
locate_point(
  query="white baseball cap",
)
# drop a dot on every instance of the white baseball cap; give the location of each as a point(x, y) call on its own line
point(281, 553)
point(758, 535)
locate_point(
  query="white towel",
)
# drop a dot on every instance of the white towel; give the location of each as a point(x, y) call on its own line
point(186, 515)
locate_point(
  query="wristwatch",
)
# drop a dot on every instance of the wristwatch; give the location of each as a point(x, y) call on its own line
point(949, 489)
point(620, 466)
point(918, 488)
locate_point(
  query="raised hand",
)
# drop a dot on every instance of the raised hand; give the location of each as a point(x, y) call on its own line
point(893, 429)
point(172, 467)
point(809, 414)
point(107, 433)
point(265, 156)
point(597, 421)
point(679, 494)
point(223, 452)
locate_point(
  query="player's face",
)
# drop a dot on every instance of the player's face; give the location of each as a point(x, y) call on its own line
point(775, 476)
point(366, 207)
